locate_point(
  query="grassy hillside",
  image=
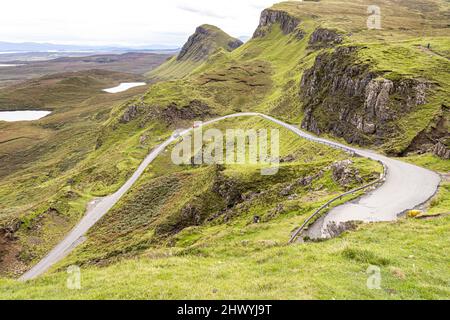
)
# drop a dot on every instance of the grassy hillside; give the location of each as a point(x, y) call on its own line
point(244, 267)
point(310, 63)
point(42, 162)
point(127, 246)
point(169, 198)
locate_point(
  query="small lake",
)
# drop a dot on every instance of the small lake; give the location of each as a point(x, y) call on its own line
point(10, 65)
point(13, 116)
point(124, 87)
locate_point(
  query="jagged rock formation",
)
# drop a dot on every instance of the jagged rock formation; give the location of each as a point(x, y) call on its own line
point(325, 38)
point(349, 100)
point(442, 149)
point(269, 17)
point(434, 139)
point(130, 114)
point(173, 113)
point(206, 40)
point(344, 174)
point(223, 194)
point(333, 230)
point(170, 114)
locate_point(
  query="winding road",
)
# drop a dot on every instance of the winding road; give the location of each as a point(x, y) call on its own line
point(406, 187)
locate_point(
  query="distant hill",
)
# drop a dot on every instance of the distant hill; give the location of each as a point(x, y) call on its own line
point(137, 63)
point(44, 47)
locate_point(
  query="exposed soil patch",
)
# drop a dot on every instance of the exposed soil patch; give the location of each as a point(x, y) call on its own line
point(9, 252)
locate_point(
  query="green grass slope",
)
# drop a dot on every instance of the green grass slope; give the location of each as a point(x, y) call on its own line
point(42, 162)
point(242, 267)
point(180, 228)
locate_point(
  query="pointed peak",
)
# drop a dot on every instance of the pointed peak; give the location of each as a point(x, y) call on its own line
point(206, 40)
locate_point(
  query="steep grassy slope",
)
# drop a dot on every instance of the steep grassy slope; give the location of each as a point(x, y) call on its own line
point(207, 256)
point(244, 266)
point(243, 260)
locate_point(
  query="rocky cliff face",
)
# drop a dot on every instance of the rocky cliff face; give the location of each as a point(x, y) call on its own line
point(435, 139)
point(205, 41)
point(442, 149)
point(270, 17)
point(325, 38)
point(347, 99)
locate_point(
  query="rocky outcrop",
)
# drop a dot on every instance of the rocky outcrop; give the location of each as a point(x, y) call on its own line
point(325, 38)
point(8, 232)
point(301, 182)
point(344, 174)
point(331, 89)
point(376, 104)
point(270, 17)
point(442, 149)
point(228, 190)
point(206, 40)
point(333, 230)
point(170, 114)
point(199, 36)
point(234, 44)
point(224, 193)
point(10, 249)
point(130, 114)
point(349, 100)
point(434, 139)
point(173, 113)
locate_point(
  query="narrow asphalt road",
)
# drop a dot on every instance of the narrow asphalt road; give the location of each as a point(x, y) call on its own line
point(406, 187)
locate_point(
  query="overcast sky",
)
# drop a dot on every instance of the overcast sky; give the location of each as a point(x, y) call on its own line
point(125, 22)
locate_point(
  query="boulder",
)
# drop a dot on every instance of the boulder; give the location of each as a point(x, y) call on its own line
point(344, 174)
point(442, 150)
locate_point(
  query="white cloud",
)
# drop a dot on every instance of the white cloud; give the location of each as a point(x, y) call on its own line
point(127, 22)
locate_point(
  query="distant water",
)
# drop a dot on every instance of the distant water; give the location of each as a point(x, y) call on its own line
point(10, 65)
point(13, 116)
point(124, 87)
